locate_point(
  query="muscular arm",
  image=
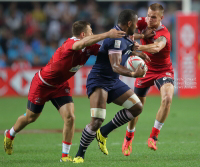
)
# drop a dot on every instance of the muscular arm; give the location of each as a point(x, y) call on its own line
point(115, 60)
point(148, 33)
point(158, 45)
point(90, 40)
point(138, 36)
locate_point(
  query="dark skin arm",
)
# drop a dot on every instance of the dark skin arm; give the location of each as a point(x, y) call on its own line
point(115, 60)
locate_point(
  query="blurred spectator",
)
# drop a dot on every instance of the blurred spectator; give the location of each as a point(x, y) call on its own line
point(53, 32)
point(13, 17)
point(2, 20)
point(52, 11)
point(37, 13)
point(2, 58)
point(31, 33)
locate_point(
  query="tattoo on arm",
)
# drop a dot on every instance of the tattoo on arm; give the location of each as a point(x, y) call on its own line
point(161, 38)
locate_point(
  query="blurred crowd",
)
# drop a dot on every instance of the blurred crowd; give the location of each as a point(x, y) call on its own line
point(30, 32)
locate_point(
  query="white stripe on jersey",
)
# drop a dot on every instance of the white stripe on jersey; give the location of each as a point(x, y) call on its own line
point(44, 80)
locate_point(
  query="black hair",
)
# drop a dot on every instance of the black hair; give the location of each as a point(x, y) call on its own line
point(126, 15)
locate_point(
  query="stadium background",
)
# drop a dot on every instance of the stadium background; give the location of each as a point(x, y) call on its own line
point(30, 32)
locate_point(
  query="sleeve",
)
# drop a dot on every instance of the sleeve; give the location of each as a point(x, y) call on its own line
point(115, 45)
point(163, 33)
point(69, 43)
point(141, 24)
point(94, 49)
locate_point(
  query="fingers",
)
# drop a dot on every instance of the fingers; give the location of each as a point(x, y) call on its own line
point(146, 57)
point(140, 65)
point(136, 43)
point(121, 34)
point(113, 33)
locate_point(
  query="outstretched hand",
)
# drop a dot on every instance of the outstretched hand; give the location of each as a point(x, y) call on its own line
point(149, 32)
point(113, 33)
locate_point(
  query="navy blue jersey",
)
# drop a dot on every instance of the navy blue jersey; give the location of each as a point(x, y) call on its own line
point(102, 66)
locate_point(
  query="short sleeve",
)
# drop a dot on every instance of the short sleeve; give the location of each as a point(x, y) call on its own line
point(163, 33)
point(115, 45)
point(141, 24)
point(69, 43)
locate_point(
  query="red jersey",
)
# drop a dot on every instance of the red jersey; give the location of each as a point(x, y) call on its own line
point(66, 62)
point(161, 59)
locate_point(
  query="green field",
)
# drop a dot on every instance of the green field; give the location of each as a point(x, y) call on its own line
point(178, 145)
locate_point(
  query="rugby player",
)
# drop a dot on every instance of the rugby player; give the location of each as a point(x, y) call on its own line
point(160, 73)
point(51, 83)
point(104, 86)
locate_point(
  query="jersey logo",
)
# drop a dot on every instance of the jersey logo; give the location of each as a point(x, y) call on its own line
point(67, 91)
point(164, 78)
point(128, 52)
point(167, 73)
point(38, 100)
point(88, 53)
point(75, 69)
point(117, 44)
point(83, 49)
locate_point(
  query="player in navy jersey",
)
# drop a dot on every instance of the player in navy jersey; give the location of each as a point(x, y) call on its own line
point(51, 83)
point(104, 85)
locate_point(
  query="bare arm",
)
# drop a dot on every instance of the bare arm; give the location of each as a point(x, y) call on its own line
point(138, 36)
point(90, 40)
point(158, 45)
point(148, 33)
point(115, 60)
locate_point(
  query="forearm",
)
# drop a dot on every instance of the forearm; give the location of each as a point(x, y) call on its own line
point(90, 40)
point(122, 70)
point(151, 48)
point(138, 36)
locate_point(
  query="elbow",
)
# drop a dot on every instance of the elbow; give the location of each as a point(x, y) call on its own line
point(155, 50)
point(114, 68)
point(79, 46)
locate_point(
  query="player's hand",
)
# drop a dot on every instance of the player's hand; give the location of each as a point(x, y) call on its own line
point(149, 32)
point(140, 71)
point(136, 46)
point(142, 55)
point(113, 33)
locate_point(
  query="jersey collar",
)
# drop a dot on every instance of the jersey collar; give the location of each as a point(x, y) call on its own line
point(74, 38)
point(126, 36)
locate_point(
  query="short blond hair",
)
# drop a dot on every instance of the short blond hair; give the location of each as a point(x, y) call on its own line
point(157, 6)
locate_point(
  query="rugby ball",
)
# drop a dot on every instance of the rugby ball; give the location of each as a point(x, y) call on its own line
point(133, 61)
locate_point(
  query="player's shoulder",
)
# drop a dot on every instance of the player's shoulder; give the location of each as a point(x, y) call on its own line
point(163, 29)
point(72, 40)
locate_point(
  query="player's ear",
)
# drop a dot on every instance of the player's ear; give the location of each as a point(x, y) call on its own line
point(129, 23)
point(82, 35)
point(162, 17)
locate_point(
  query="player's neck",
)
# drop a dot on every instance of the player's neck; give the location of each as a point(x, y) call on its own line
point(122, 27)
point(156, 26)
point(78, 37)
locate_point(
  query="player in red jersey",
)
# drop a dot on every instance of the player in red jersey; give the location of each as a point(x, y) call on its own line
point(160, 73)
point(51, 83)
